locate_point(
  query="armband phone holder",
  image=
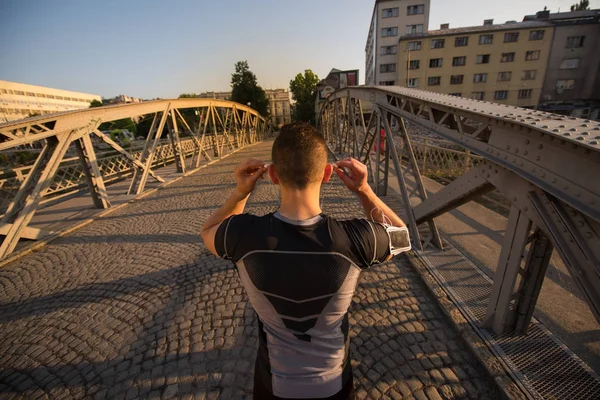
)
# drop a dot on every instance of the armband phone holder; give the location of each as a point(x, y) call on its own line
point(399, 239)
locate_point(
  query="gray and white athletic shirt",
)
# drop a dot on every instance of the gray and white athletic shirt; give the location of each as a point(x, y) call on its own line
point(300, 277)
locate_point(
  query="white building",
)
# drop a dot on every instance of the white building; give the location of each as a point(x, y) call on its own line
point(280, 106)
point(390, 20)
point(19, 100)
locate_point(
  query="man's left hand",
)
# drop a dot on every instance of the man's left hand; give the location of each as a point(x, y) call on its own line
point(247, 174)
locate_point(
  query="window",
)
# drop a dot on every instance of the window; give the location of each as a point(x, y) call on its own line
point(412, 29)
point(387, 68)
point(415, 10)
point(532, 55)
point(483, 59)
point(477, 95)
point(486, 39)
point(413, 82)
point(479, 78)
point(511, 37)
point(536, 35)
point(455, 94)
point(456, 79)
point(569, 63)
point(461, 41)
point(574, 41)
point(436, 62)
point(414, 64)
point(385, 50)
point(501, 95)
point(565, 84)
point(414, 46)
point(504, 76)
point(438, 43)
point(389, 12)
point(387, 83)
point(459, 61)
point(434, 80)
point(528, 75)
point(525, 93)
point(507, 57)
point(393, 31)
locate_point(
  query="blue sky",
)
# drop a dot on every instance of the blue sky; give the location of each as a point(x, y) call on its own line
point(152, 48)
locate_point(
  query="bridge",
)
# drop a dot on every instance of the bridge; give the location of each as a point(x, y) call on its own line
point(108, 291)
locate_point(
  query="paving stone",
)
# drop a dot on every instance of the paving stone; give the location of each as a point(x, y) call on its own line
point(158, 316)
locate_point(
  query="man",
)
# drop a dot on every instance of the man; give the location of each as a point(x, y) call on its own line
point(299, 267)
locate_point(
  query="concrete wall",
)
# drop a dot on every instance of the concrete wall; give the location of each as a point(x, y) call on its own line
point(493, 68)
point(586, 76)
point(19, 100)
point(375, 40)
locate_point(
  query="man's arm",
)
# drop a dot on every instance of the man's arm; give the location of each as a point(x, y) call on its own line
point(246, 176)
point(356, 181)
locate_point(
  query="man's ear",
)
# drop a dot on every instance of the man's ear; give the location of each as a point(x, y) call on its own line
point(327, 173)
point(273, 174)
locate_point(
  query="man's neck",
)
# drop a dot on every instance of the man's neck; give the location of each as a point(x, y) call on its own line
point(300, 204)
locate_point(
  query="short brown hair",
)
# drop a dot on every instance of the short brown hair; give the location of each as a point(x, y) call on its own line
point(299, 155)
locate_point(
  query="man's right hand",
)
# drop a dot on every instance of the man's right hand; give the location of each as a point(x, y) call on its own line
point(356, 179)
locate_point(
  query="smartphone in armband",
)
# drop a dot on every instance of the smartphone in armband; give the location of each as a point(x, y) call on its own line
point(399, 239)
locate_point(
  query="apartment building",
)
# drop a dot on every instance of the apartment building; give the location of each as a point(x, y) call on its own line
point(572, 82)
point(390, 20)
point(19, 100)
point(279, 106)
point(503, 63)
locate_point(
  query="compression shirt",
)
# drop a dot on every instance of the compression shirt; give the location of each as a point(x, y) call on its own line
point(300, 277)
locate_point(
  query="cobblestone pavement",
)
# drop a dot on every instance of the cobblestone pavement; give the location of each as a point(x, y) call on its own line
point(132, 306)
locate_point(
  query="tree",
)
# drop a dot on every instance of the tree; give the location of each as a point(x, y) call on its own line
point(581, 6)
point(95, 103)
point(245, 89)
point(188, 96)
point(304, 92)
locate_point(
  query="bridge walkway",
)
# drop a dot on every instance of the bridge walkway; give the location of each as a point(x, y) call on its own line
point(133, 306)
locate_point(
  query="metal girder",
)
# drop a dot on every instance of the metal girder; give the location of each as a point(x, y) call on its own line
point(498, 315)
point(411, 223)
point(574, 235)
point(173, 131)
point(544, 164)
point(66, 121)
point(534, 272)
point(77, 126)
point(458, 192)
point(25, 204)
point(93, 176)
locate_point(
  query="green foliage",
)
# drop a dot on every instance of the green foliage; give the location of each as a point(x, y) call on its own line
point(304, 91)
point(125, 123)
point(581, 6)
point(245, 89)
point(188, 95)
point(95, 103)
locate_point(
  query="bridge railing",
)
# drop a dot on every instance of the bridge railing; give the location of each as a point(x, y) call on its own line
point(544, 166)
point(186, 132)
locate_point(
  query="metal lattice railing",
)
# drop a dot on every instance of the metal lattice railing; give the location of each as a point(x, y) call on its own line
point(70, 177)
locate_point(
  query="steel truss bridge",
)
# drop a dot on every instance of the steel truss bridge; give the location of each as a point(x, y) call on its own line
point(545, 164)
point(219, 126)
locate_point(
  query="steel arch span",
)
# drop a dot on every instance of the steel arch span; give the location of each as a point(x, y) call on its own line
point(545, 165)
point(214, 127)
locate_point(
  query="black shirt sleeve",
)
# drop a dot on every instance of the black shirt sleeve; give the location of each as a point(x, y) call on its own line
point(230, 234)
point(370, 241)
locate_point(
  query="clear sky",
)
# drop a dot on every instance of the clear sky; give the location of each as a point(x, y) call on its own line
point(152, 48)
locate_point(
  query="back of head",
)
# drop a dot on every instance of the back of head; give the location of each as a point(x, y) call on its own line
point(299, 155)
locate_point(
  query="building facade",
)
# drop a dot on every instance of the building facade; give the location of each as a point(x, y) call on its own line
point(572, 82)
point(215, 95)
point(19, 100)
point(502, 63)
point(390, 20)
point(280, 106)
